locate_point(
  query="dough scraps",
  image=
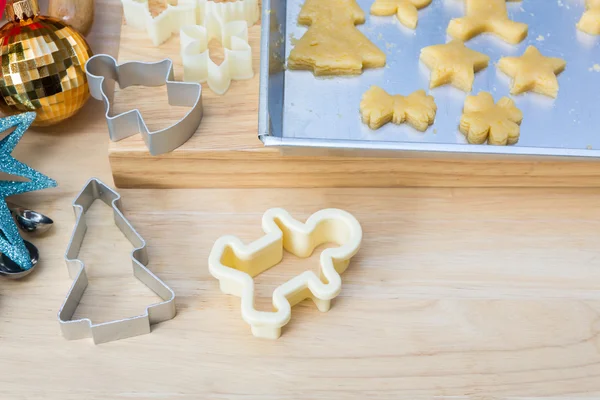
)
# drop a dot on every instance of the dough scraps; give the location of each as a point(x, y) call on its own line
point(497, 123)
point(533, 72)
point(377, 108)
point(487, 16)
point(453, 63)
point(332, 45)
point(590, 21)
point(405, 10)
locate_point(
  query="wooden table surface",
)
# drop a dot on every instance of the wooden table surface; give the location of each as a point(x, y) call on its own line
point(456, 293)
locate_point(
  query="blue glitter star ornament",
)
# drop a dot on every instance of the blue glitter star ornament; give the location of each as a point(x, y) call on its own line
point(11, 242)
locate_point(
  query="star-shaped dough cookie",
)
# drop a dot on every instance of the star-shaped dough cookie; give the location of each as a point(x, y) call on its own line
point(405, 10)
point(497, 123)
point(378, 108)
point(533, 72)
point(590, 21)
point(487, 16)
point(453, 63)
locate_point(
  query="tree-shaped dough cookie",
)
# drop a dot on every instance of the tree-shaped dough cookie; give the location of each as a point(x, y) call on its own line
point(590, 21)
point(497, 123)
point(487, 16)
point(332, 45)
point(378, 108)
point(405, 10)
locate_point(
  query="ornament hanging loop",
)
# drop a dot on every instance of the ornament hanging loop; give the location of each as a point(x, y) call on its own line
point(22, 10)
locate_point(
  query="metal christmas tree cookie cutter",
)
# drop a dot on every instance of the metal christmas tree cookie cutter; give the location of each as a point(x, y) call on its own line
point(123, 328)
point(235, 264)
point(131, 122)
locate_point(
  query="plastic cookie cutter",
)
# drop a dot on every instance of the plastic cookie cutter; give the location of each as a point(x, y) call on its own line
point(197, 65)
point(184, 12)
point(124, 328)
point(137, 15)
point(235, 264)
point(129, 123)
point(227, 22)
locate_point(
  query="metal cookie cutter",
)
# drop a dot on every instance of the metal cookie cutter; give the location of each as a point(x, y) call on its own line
point(124, 328)
point(129, 123)
point(235, 264)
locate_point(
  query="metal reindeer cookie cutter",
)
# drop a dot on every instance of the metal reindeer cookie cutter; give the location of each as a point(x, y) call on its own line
point(235, 264)
point(102, 66)
point(123, 328)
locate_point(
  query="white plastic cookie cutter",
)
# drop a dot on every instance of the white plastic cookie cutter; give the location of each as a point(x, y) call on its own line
point(185, 12)
point(137, 15)
point(235, 264)
point(197, 65)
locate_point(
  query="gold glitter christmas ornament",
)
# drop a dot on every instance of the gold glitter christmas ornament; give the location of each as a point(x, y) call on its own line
point(43, 65)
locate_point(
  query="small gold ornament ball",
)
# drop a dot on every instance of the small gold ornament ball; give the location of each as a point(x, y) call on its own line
point(43, 66)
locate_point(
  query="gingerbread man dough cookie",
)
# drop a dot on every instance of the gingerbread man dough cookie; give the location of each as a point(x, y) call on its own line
point(497, 123)
point(533, 72)
point(332, 45)
point(487, 16)
point(405, 10)
point(590, 21)
point(378, 108)
point(453, 63)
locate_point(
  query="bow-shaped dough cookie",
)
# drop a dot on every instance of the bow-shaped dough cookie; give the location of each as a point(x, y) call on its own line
point(378, 108)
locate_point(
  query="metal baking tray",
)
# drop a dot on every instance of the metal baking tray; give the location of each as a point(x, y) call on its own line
point(300, 112)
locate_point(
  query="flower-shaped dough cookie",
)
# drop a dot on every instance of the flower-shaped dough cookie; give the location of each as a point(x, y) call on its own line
point(497, 123)
point(590, 21)
point(533, 72)
point(378, 108)
point(487, 16)
point(405, 10)
point(235, 264)
point(453, 63)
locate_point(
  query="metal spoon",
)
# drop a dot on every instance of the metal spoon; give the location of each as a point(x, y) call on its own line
point(30, 221)
point(11, 270)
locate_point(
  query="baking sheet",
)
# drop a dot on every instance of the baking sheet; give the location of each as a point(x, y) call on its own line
point(301, 110)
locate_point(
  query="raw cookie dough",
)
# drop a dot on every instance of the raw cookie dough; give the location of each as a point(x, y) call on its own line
point(497, 123)
point(533, 72)
point(332, 45)
point(590, 21)
point(453, 63)
point(487, 16)
point(405, 10)
point(377, 108)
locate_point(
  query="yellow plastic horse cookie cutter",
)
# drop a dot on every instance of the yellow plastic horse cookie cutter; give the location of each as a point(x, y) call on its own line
point(235, 264)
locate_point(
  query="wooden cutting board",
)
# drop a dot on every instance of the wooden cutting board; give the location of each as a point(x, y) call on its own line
point(226, 151)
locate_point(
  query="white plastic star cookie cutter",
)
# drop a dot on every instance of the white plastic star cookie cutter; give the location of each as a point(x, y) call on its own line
point(220, 22)
point(235, 264)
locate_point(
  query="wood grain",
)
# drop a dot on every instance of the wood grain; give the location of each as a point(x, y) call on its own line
point(468, 294)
